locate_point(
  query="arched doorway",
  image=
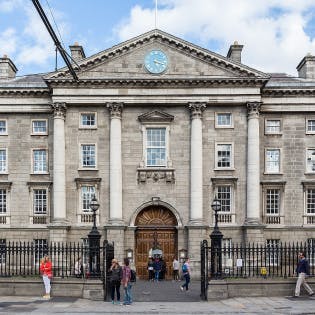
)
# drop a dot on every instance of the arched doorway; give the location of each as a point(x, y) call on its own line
point(155, 224)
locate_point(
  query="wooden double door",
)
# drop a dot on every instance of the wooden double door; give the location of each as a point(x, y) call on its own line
point(167, 242)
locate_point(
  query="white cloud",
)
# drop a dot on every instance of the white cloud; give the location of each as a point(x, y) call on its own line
point(8, 41)
point(272, 31)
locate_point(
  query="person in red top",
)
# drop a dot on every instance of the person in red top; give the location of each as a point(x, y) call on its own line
point(125, 281)
point(46, 271)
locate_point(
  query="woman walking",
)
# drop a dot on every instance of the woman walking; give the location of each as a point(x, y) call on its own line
point(126, 282)
point(115, 279)
point(46, 272)
point(186, 274)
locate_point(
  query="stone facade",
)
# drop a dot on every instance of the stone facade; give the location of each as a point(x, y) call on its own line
point(254, 160)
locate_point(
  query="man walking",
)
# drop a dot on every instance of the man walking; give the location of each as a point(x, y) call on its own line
point(186, 274)
point(302, 271)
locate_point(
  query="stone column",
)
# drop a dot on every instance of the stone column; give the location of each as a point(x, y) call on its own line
point(115, 168)
point(253, 165)
point(196, 198)
point(59, 173)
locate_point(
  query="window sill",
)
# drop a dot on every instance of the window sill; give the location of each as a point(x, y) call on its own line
point(309, 173)
point(43, 173)
point(156, 174)
point(87, 169)
point(39, 134)
point(273, 134)
point(224, 169)
point(265, 173)
point(87, 128)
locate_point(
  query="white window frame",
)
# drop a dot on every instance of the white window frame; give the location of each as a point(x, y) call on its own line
point(227, 256)
point(269, 170)
point(216, 159)
point(39, 133)
point(217, 115)
point(273, 258)
point(5, 171)
point(217, 194)
point(309, 158)
point(89, 167)
point(45, 171)
point(145, 127)
point(309, 132)
point(271, 132)
point(40, 213)
point(4, 133)
point(88, 126)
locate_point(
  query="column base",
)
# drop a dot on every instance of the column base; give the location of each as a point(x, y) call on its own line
point(58, 231)
point(252, 221)
point(196, 222)
point(116, 222)
point(254, 233)
point(116, 234)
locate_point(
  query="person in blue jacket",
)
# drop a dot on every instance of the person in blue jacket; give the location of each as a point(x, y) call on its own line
point(302, 270)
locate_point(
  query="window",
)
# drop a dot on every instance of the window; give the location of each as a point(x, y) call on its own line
point(272, 251)
point(310, 126)
point(40, 201)
point(224, 156)
point(310, 201)
point(88, 120)
point(310, 160)
point(311, 250)
point(41, 249)
point(223, 120)
point(227, 253)
point(3, 246)
point(156, 147)
point(3, 201)
point(224, 195)
point(40, 161)
point(3, 127)
point(39, 127)
point(87, 193)
point(3, 160)
point(88, 155)
point(272, 161)
point(272, 126)
point(272, 202)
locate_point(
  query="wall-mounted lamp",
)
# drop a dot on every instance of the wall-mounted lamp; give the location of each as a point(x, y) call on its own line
point(182, 254)
point(129, 253)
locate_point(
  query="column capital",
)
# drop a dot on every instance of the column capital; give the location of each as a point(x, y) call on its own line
point(59, 110)
point(196, 109)
point(115, 109)
point(253, 109)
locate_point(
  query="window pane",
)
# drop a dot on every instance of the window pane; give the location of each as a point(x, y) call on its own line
point(273, 251)
point(3, 201)
point(224, 196)
point(273, 161)
point(40, 201)
point(41, 249)
point(311, 125)
point(87, 193)
point(3, 160)
point(88, 155)
point(224, 119)
point(273, 126)
point(40, 161)
point(310, 157)
point(224, 155)
point(3, 126)
point(39, 126)
point(273, 201)
point(310, 201)
point(88, 119)
point(156, 147)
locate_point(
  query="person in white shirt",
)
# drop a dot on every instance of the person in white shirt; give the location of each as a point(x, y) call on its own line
point(175, 269)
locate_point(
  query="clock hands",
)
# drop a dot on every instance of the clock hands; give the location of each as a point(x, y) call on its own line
point(158, 62)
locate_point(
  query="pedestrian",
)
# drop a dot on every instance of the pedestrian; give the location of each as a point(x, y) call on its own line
point(151, 269)
point(46, 272)
point(302, 270)
point(115, 277)
point(175, 269)
point(186, 274)
point(78, 268)
point(157, 269)
point(126, 276)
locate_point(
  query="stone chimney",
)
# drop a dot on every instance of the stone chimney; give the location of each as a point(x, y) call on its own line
point(7, 68)
point(306, 68)
point(77, 52)
point(235, 52)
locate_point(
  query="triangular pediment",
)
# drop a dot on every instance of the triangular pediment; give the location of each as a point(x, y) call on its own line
point(155, 116)
point(126, 61)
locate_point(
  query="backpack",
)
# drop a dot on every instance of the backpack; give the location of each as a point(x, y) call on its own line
point(184, 268)
point(116, 274)
point(133, 276)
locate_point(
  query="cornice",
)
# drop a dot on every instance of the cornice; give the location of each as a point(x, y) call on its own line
point(25, 92)
point(288, 92)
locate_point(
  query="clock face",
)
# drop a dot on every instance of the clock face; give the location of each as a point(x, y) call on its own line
point(156, 61)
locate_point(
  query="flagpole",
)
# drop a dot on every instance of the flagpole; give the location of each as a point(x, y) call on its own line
point(155, 14)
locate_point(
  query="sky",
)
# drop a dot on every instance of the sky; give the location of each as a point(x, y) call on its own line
point(276, 34)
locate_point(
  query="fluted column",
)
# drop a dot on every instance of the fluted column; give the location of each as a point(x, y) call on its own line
point(196, 199)
point(253, 164)
point(115, 168)
point(59, 112)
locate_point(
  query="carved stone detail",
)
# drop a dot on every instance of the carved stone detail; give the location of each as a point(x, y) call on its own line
point(156, 175)
point(253, 109)
point(59, 109)
point(196, 109)
point(115, 109)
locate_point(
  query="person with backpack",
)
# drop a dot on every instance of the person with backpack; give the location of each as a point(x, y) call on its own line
point(186, 274)
point(115, 276)
point(157, 266)
point(126, 277)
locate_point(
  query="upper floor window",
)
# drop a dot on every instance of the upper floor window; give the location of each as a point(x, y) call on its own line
point(272, 126)
point(272, 205)
point(39, 127)
point(223, 120)
point(87, 193)
point(3, 160)
point(40, 161)
point(310, 126)
point(88, 155)
point(156, 147)
point(224, 156)
point(88, 120)
point(3, 127)
point(272, 161)
point(40, 201)
point(224, 195)
point(310, 160)
point(3, 201)
point(310, 201)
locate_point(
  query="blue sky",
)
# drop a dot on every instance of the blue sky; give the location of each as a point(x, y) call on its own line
point(276, 34)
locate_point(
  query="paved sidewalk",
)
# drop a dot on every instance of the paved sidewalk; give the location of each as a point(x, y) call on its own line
point(58, 305)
